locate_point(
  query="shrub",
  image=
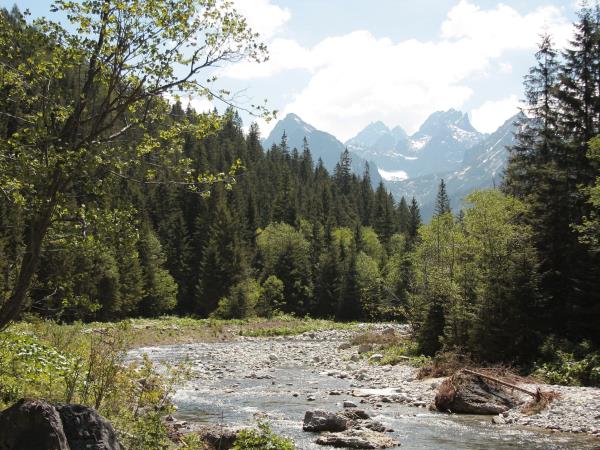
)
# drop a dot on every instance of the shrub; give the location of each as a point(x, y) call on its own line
point(262, 439)
point(569, 364)
point(61, 363)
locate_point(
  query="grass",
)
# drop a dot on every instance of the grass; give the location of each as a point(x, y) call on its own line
point(395, 348)
point(180, 330)
point(289, 326)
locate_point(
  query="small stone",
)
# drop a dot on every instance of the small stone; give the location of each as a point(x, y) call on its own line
point(376, 357)
point(364, 348)
point(349, 404)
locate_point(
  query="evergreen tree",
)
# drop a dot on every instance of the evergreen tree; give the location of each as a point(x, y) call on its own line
point(160, 289)
point(442, 204)
point(414, 221)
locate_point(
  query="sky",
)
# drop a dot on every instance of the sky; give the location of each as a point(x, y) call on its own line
point(342, 64)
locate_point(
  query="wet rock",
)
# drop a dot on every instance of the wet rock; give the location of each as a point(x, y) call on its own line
point(319, 420)
point(357, 439)
point(498, 420)
point(469, 394)
point(372, 425)
point(355, 414)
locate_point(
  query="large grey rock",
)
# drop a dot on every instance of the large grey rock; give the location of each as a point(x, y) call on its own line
point(357, 439)
point(31, 425)
point(354, 414)
point(36, 424)
point(469, 394)
point(85, 429)
point(319, 420)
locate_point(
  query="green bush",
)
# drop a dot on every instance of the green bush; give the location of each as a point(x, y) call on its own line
point(569, 364)
point(30, 368)
point(262, 439)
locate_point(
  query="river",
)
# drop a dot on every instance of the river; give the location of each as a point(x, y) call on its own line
point(280, 379)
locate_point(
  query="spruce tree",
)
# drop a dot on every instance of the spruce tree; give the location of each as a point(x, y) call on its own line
point(442, 204)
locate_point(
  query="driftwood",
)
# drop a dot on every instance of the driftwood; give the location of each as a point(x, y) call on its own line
point(537, 394)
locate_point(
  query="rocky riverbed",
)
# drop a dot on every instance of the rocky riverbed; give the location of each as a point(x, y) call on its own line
point(280, 378)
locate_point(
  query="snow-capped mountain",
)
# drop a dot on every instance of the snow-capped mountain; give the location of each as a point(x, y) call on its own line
point(481, 167)
point(322, 145)
point(439, 145)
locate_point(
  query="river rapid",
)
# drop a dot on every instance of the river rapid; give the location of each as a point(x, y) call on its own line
point(279, 379)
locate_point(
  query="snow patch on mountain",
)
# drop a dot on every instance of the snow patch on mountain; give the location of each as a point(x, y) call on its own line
point(397, 175)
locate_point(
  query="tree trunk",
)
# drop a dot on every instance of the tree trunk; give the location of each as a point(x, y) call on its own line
point(11, 309)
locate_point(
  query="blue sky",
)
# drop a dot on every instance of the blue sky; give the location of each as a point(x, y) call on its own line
point(341, 64)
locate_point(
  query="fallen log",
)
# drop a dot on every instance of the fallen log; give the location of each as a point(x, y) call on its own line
point(537, 394)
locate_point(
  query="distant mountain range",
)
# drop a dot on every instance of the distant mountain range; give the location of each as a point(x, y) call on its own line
point(322, 145)
point(482, 167)
point(439, 145)
point(445, 146)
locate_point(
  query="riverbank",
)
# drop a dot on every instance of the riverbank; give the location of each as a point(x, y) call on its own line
point(329, 353)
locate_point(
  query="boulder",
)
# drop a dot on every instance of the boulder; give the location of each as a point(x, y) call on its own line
point(36, 424)
point(371, 425)
point(469, 394)
point(354, 414)
point(357, 439)
point(31, 424)
point(319, 420)
point(349, 404)
point(86, 429)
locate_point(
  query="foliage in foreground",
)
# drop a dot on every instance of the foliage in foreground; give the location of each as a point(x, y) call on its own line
point(262, 439)
point(65, 364)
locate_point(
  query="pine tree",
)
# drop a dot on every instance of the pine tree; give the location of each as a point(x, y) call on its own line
point(414, 221)
point(343, 172)
point(442, 204)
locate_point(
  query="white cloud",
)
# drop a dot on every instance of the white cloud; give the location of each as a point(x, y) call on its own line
point(503, 28)
point(358, 78)
point(493, 113)
point(262, 16)
point(505, 67)
point(199, 104)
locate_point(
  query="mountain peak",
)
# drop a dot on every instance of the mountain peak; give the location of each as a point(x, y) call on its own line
point(292, 120)
point(445, 119)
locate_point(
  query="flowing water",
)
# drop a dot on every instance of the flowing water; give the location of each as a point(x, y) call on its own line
point(231, 398)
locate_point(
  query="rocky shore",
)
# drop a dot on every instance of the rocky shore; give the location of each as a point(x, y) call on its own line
point(329, 353)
